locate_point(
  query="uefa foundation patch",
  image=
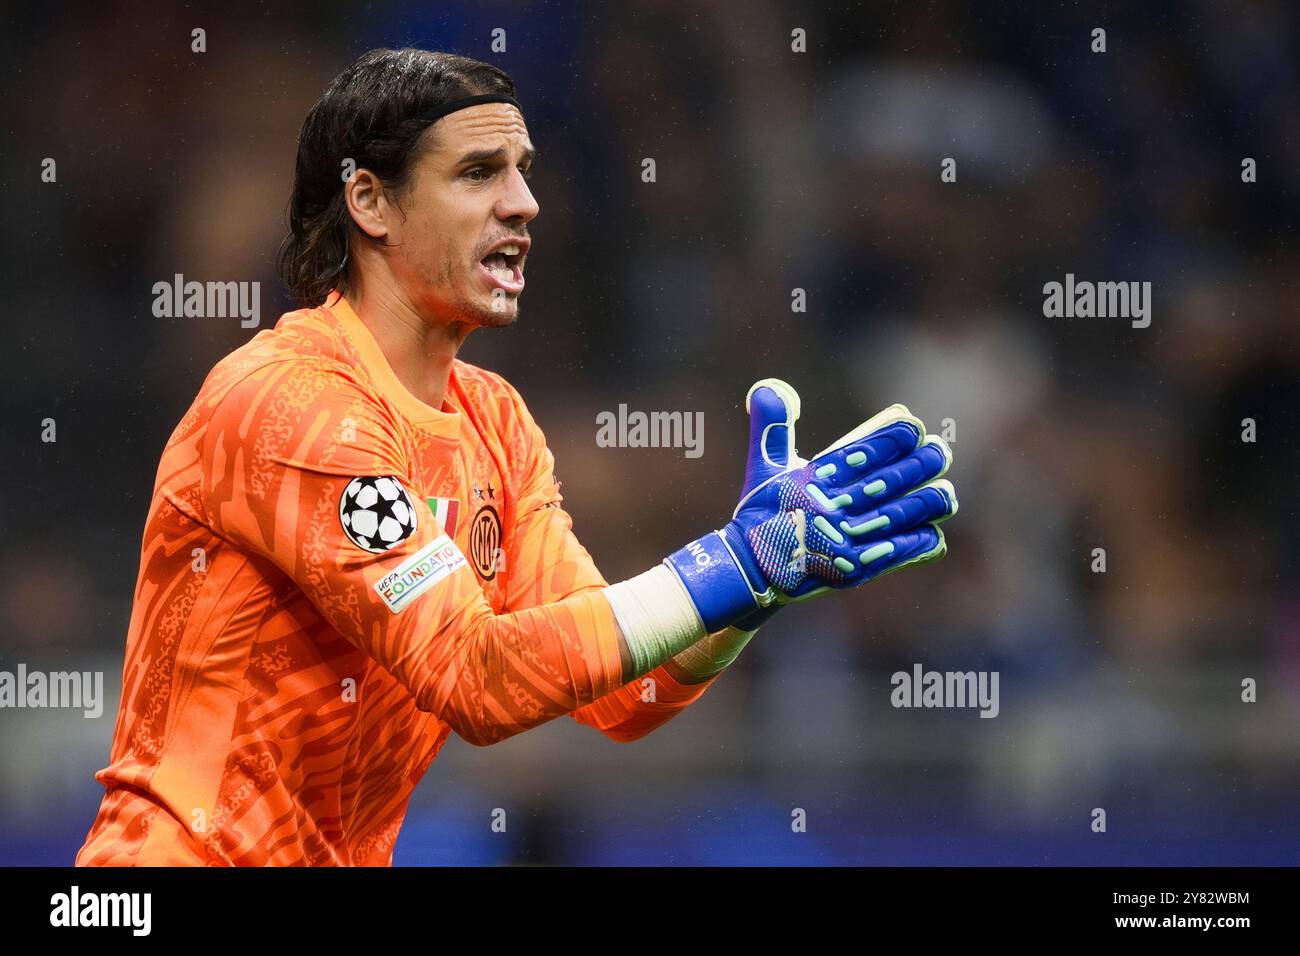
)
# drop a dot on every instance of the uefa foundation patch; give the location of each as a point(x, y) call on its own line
point(420, 572)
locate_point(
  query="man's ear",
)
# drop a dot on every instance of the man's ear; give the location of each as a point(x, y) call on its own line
point(368, 203)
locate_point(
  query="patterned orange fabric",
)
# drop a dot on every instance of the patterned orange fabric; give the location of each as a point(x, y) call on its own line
point(288, 681)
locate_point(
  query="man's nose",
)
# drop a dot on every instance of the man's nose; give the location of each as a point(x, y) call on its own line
point(518, 201)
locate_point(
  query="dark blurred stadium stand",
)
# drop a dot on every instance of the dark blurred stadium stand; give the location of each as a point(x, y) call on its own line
point(775, 170)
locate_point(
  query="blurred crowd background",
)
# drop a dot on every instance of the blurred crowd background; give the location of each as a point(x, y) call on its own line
point(776, 170)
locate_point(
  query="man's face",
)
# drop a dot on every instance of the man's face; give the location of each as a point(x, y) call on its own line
point(467, 196)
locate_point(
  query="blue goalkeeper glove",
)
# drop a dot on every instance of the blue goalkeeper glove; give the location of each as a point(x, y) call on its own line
point(869, 504)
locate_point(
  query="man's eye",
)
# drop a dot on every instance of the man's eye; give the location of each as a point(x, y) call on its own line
point(527, 173)
point(478, 174)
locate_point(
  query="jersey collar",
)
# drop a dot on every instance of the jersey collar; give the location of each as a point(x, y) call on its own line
point(443, 421)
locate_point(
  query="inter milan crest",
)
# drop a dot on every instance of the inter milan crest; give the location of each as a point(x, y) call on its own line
point(376, 513)
point(485, 542)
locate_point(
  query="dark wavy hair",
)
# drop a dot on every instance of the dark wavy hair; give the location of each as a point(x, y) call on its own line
point(371, 113)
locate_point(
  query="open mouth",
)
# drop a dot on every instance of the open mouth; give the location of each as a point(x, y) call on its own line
point(504, 270)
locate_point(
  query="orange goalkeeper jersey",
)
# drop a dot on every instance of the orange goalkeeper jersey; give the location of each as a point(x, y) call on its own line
point(334, 577)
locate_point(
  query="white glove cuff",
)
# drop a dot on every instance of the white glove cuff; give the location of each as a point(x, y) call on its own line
point(713, 653)
point(657, 616)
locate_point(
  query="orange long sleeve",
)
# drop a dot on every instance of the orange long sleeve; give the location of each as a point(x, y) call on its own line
point(545, 563)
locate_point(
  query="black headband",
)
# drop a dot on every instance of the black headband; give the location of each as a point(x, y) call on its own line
point(439, 112)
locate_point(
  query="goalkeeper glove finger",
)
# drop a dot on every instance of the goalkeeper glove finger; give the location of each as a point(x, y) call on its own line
point(869, 504)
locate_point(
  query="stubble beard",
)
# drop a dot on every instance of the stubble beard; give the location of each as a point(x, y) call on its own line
point(503, 317)
point(499, 311)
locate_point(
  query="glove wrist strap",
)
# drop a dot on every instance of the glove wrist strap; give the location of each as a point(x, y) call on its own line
point(712, 574)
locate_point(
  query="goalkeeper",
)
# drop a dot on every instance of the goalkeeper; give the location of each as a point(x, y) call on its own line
point(356, 545)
